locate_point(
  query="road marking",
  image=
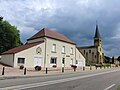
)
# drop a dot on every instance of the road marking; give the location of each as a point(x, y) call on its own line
point(109, 87)
point(26, 86)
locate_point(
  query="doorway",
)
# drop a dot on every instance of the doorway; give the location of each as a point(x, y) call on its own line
point(37, 61)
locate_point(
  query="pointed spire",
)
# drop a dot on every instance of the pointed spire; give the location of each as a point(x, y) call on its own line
point(97, 34)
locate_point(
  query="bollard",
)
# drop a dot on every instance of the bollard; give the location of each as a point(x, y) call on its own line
point(104, 67)
point(3, 71)
point(25, 71)
point(46, 70)
point(83, 68)
point(62, 69)
point(90, 67)
point(74, 69)
point(110, 66)
point(96, 67)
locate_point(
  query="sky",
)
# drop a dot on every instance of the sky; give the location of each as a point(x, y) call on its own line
point(76, 19)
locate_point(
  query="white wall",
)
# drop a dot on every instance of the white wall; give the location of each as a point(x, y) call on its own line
point(80, 58)
point(29, 55)
point(8, 59)
point(59, 53)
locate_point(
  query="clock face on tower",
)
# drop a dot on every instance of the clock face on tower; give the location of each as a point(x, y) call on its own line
point(38, 50)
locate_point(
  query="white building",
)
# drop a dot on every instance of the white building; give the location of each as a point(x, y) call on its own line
point(46, 49)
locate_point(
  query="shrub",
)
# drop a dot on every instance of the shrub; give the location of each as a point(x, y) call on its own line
point(74, 66)
point(54, 66)
point(21, 66)
point(38, 68)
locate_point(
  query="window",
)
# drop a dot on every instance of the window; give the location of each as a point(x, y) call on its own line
point(89, 51)
point(84, 51)
point(76, 61)
point(63, 49)
point(71, 51)
point(21, 60)
point(53, 60)
point(54, 47)
point(95, 56)
point(63, 61)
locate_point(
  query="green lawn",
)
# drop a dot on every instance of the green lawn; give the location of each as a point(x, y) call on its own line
point(118, 88)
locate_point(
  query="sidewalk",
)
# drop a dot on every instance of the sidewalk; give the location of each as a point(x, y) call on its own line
point(11, 73)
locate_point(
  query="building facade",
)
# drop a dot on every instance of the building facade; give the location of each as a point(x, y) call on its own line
point(46, 49)
point(93, 54)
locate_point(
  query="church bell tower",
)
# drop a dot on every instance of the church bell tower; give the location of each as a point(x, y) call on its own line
point(97, 38)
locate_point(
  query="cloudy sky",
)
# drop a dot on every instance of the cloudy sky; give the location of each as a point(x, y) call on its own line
point(74, 18)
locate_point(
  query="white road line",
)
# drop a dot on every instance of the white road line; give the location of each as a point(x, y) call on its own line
point(26, 86)
point(109, 87)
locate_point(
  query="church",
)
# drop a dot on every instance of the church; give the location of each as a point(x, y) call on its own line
point(93, 54)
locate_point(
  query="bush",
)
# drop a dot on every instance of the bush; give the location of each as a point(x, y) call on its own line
point(21, 66)
point(54, 66)
point(74, 66)
point(38, 68)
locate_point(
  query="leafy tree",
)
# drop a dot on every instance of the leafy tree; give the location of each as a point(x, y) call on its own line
point(107, 59)
point(9, 36)
point(113, 60)
point(118, 59)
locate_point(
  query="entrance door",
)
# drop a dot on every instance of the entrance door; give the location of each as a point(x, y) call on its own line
point(80, 63)
point(37, 61)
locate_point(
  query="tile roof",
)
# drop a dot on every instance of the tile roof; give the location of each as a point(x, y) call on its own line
point(86, 47)
point(21, 48)
point(50, 34)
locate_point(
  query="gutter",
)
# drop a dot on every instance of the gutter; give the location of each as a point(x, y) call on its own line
point(45, 51)
point(13, 59)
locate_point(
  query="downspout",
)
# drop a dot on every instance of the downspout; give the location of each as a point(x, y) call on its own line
point(75, 54)
point(45, 51)
point(13, 59)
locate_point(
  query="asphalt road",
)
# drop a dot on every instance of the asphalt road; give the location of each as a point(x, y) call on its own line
point(107, 79)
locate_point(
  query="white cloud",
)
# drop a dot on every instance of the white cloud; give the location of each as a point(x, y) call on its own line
point(74, 18)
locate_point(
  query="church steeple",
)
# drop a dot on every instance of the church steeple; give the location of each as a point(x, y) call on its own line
point(97, 38)
point(97, 34)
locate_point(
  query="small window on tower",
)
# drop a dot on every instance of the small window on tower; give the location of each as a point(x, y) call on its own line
point(84, 51)
point(95, 56)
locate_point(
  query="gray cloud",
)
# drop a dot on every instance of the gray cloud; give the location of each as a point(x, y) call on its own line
point(74, 18)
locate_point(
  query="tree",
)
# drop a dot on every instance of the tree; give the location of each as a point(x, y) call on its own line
point(9, 36)
point(118, 59)
point(113, 60)
point(107, 59)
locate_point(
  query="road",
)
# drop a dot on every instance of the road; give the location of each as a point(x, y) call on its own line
point(106, 79)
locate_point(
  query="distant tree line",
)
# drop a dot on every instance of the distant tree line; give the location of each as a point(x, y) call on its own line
point(111, 60)
point(9, 36)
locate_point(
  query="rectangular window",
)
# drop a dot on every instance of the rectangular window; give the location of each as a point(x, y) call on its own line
point(53, 60)
point(54, 48)
point(63, 61)
point(21, 60)
point(71, 50)
point(63, 49)
point(76, 61)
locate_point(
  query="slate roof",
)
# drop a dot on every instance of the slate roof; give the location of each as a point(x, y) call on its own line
point(21, 48)
point(50, 34)
point(85, 47)
point(97, 34)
